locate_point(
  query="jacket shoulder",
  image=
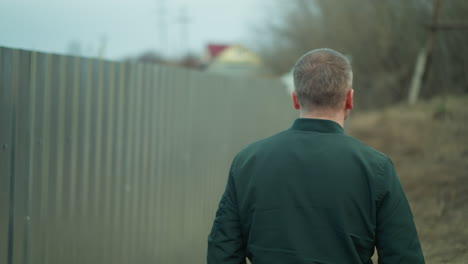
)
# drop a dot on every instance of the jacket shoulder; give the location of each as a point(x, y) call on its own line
point(261, 144)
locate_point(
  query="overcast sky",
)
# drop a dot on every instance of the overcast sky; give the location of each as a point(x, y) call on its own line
point(127, 27)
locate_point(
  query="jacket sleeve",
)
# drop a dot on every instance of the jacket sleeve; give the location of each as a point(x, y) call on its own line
point(397, 239)
point(225, 244)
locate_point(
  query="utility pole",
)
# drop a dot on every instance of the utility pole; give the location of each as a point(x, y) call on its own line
point(424, 59)
point(102, 47)
point(184, 21)
point(162, 36)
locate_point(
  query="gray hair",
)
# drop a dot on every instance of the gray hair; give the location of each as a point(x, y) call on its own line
point(321, 79)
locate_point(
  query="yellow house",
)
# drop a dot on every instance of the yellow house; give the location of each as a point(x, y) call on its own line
point(236, 60)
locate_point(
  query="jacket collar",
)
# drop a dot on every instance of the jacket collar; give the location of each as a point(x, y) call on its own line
point(317, 125)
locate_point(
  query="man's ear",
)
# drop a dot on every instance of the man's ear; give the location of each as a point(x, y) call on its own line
point(349, 104)
point(295, 102)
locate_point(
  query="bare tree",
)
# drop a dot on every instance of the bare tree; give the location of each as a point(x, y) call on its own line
point(74, 48)
point(382, 37)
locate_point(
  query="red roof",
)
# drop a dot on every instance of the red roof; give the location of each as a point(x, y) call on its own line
point(215, 50)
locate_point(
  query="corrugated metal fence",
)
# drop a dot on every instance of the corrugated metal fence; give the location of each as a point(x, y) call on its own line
point(105, 162)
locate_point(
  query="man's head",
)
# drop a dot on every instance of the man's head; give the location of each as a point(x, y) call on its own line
point(323, 83)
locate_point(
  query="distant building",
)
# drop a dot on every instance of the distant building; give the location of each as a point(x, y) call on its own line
point(233, 60)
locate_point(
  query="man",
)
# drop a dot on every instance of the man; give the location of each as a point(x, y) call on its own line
point(312, 194)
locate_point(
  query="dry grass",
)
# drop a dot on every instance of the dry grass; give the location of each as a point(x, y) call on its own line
point(429, 146)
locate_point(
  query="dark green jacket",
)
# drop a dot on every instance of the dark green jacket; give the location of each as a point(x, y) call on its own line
point(312, 194)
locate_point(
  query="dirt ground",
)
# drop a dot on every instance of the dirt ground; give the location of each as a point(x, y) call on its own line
point(429, 145)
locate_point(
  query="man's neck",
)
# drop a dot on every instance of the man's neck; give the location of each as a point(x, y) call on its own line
point(337, 117)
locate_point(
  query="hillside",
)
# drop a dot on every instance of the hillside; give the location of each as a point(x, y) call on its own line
point(429, 146)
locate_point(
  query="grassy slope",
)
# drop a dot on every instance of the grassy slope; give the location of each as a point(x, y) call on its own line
point(429, 146)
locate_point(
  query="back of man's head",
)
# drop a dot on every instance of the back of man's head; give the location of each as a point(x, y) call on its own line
point(321, 79)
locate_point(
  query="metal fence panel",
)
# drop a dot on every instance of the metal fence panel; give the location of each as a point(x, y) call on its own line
point(120, 162)
point(21, 94)
point(6, 142)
